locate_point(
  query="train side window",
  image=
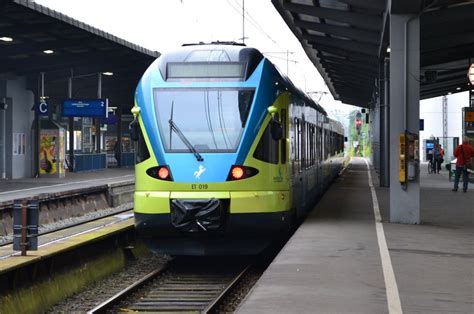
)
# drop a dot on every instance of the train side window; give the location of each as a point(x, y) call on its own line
point(283, 140)
point(142, 150)
point(297, 143)
point(267, 148)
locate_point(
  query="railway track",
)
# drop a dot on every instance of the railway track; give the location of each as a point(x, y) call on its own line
point(189, 284)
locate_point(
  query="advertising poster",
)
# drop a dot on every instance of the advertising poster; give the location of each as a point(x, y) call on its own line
point(62, 151)
point(48, 151)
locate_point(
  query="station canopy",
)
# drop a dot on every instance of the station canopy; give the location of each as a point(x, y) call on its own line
point(35, 39)
point(347, 41)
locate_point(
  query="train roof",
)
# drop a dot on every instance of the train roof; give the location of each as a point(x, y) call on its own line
point(231, 52)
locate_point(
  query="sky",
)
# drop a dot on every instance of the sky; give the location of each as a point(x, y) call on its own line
point(164, 25)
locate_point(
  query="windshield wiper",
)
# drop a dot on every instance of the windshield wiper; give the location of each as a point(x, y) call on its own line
point(183, 138)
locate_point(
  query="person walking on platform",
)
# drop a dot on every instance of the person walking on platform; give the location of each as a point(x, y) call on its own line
point(441, 159)
point(437, 158)
point(463, 153)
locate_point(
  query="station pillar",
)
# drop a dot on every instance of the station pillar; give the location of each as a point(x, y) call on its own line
point(384, 127)
point(404, 112)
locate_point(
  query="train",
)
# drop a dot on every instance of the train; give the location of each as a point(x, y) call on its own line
point(229, 152)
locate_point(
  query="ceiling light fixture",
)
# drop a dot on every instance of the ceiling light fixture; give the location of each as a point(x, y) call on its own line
point(6, 39)
point(108, 73)
point(388, 49)
point(48, 51)
point(470, 74)
point(458, 88)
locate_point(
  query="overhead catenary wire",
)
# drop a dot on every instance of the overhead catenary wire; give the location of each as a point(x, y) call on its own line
point(252, 21)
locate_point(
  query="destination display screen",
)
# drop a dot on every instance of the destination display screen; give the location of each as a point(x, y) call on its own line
point(206, 70)
point(85, 108)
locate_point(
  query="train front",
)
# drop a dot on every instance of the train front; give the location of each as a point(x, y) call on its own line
point(210, 179)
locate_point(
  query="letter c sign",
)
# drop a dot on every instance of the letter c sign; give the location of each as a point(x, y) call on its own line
point(42, 108)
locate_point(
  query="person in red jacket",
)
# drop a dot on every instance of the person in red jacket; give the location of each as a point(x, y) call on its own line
point(463, 153)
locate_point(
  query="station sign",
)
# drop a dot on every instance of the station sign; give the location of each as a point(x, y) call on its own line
point(96, 108)
point(42, 108)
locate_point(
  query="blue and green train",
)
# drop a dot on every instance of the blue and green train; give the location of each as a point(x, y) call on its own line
point(229, 152)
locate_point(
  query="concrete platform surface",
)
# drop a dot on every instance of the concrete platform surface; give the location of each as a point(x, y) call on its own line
point(333, 263)
point(65, 239)
point(30, 187)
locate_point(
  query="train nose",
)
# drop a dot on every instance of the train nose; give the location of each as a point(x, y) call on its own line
point(199, 215)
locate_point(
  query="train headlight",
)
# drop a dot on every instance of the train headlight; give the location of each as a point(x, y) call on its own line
point(163, 173)
point(241, 172)
point(160, 173)
point(237, 173)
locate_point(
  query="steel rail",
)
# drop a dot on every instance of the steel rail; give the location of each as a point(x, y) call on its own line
point(112, 301)
point(179, 291)
point(214, 305)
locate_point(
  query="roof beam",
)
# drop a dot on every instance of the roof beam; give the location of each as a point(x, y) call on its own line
point(351, 91)
point(445, 42)
point(57, 45)
point(348, 32)
point(99, 61)
point(449, 83)
point(364, 21)
point(351, 82)
point(343, 52)
point(351, 64)
point(363, 48)
point(367, 4)
point(347, 70)
point(455, 14)
point(346, 55)
point(454, 53)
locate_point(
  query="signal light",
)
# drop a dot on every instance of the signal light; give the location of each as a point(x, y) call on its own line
point(241, 172)
point(160, 173)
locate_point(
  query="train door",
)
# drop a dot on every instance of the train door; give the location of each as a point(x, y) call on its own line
point(320, 153)
point(304, 165)
point(297, 176)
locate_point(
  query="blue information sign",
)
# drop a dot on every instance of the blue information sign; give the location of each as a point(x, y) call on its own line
point(85, 108)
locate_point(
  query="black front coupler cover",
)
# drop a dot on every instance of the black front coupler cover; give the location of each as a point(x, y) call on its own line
point(197, 216)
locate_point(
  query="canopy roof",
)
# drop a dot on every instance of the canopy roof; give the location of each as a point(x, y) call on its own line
point(347, 41)
point(75, 48)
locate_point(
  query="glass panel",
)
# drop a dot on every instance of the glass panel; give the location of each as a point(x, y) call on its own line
point(212, 120)
point(205, 70)
point(267, 148)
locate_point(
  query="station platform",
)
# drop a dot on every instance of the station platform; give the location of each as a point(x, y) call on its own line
point(33, 187)
point(342, 259)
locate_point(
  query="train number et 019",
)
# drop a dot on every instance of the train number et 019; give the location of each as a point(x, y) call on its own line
point(199, 187)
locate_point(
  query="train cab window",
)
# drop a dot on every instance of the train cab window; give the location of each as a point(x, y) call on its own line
point(211, 119)
point(267, 148)
point(142, 150)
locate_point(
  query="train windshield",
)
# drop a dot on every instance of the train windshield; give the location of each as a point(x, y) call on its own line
point(212, 120)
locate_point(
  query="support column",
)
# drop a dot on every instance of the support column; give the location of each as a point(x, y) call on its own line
point(71, 129)
point(384, 126)
point(97, 120)
point(404, 111)
point(119, 135)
